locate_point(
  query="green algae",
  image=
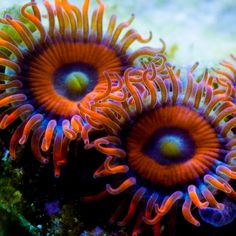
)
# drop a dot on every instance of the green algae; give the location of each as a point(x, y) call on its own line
point(11, 200)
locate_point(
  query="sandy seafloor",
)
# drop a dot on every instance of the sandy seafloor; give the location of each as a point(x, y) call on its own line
point(202, 30)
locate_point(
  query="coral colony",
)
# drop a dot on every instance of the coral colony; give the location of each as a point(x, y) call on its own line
point(166, 139)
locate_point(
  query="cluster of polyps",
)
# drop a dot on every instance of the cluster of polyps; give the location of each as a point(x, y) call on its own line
point(69, 78)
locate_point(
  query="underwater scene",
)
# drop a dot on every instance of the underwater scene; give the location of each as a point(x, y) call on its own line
point(117, 118)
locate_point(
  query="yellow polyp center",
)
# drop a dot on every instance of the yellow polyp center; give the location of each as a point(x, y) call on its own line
point(170, 147)
point(77, 82)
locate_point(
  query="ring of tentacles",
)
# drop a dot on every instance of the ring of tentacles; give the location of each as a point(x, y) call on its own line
point(178, 146)
point(225, 77)
point(63, 61)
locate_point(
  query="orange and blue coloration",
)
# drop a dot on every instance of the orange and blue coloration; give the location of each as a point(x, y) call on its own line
point(224, 79)
point(179, 146)
point(62, 62)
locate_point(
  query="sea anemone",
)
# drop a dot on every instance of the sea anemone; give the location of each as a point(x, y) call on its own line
point(178, 145)
point(224, 80)
point(63, 61)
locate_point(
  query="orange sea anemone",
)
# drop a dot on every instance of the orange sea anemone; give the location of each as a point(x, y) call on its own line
point(50, 69)
point(178, 146)
point(224, 80)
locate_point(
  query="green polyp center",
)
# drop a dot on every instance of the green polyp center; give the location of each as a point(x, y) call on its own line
point(77, 82)
point(73, 81)
point(170, 147)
